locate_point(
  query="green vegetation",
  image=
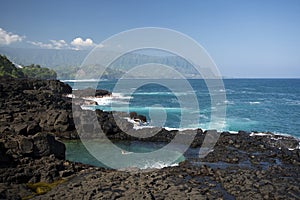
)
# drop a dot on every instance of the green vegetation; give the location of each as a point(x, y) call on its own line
point(8, 69)
point(36, 71)
point(42, 188)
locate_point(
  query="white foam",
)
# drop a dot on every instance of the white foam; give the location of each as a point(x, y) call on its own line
point(87, 107)
point(83, 80)
point(283, 134)
point(259, 134)
point(254, 102)
point(292, 102)
point(229, 102)
point(203, 116)
point(158, 165)
point(297, 148)
point(164, 93)
point(136, 127)
point(138, 124)
point(100, 101)
point(279, 138)
point(229, 91)
point(107, 100)
point(179, 129)
point(70, 96)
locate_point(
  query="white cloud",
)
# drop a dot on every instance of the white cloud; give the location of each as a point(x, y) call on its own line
point(7, 38)
point(54, 44)
point(79, 43)
point(76, 44)
point(58, 44)
point(40, 44)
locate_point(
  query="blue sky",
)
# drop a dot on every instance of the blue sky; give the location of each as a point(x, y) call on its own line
point(245, 38)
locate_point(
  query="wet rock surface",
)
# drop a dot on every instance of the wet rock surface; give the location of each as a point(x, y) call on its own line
point(35, 114)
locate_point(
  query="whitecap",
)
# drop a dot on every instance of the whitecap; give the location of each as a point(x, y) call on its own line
point(229, 91)
point(83, 80)
point(107, 100)
point(291, 102)
point(229, 102)
point(254, 102)
point(164, 93)
point(203, 116)
point(179, 129)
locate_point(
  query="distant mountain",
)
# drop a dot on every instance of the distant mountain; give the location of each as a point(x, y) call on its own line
point(45, 57)
point(67, 62)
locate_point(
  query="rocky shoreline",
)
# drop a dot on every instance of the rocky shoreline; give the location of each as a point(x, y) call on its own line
point(36, 114)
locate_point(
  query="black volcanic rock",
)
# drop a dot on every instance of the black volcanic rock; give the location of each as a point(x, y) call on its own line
point(31, 106)
point(36, 146)
point(91, 92)
point(132, 115)
point(142, 118)
point(45, 145)
point(34, 113)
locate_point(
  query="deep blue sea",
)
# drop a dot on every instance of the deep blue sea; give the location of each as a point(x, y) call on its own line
point(251, 104)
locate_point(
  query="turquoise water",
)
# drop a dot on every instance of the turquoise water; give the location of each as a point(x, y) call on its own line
point(76, 151)
point(252, 104)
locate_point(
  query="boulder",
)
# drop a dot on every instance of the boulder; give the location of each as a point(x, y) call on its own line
point(33, 128)
point(91, 92)
point(142, 118)
point(108, 128)
point(45, 144)
point(133, 115)
point(26, 145)
point(61, 124)
point(20, 129)
point(101, 93)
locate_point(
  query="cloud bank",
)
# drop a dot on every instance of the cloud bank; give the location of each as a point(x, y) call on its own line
point(76, 44)
point(54, 44)
point(7, 38)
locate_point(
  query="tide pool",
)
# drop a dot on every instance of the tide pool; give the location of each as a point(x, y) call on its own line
point(126, 157)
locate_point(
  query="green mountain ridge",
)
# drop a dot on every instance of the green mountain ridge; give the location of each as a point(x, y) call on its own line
point(67, 63)
point(8, 69)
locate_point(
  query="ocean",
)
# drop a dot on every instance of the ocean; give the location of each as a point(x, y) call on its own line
point(262, 105)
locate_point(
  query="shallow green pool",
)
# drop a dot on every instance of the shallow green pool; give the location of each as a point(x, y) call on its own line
point(122, 154)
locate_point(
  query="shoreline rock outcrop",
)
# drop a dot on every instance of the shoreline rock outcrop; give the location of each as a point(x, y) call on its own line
point(35, 114)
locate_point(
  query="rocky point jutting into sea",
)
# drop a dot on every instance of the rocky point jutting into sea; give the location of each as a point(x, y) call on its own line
point(36, 115)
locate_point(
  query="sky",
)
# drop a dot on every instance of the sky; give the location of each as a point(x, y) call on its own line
point(245, 38)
